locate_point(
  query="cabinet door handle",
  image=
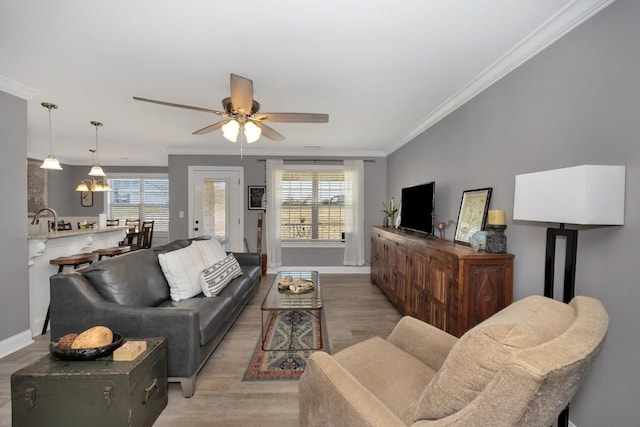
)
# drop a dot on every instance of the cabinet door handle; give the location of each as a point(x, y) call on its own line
point(487, 298)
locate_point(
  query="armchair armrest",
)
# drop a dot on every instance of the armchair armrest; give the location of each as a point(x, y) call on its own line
point(329, 395)
point(422, 340)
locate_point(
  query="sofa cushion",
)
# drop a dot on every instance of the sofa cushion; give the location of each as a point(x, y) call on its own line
point(480, 353)
point(122, 280)
point(214, 313)
point(213, 279)
point(211, 249)
point(392, 375)
point(182, 269)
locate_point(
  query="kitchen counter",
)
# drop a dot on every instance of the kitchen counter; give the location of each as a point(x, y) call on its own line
point(68, 233)
point(43, 247)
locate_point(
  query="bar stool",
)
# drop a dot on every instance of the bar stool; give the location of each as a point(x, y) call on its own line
point(74, 261)
point(111, 252)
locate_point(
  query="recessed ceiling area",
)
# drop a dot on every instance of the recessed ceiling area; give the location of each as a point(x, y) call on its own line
point(383, 71)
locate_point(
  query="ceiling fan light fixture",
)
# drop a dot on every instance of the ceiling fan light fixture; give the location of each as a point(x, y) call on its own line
point(230, 130)
point(251, 132)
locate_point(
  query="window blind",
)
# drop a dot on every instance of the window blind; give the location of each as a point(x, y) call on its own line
point(312, 205)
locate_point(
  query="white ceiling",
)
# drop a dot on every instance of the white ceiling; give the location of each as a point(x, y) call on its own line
point(384, 71)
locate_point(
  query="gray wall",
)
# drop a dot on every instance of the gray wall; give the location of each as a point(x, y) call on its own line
point(575, 103)
point(14, 280)
point(254, 174)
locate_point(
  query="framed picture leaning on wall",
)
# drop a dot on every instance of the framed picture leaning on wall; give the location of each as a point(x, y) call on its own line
point(473, 213)
point(257, 197)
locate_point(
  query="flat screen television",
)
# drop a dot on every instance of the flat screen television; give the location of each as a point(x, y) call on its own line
point(416, 207)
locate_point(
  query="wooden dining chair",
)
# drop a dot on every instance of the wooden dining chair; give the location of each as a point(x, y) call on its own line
point(132, 223)
point(146, 234)
point(113, 222)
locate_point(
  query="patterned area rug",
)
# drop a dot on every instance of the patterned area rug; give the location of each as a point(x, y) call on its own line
point(287, 330)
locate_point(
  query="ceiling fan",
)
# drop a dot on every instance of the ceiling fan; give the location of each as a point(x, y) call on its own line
point(241, 113)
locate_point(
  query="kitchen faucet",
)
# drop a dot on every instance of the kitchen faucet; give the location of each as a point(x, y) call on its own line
point(36, 219)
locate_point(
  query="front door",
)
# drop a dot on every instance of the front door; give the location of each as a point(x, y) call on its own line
point(216, 204)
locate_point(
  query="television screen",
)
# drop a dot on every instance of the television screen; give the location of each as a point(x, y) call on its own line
point(416, 207)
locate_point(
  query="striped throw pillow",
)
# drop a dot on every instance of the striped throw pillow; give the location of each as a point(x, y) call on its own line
point(213, 279)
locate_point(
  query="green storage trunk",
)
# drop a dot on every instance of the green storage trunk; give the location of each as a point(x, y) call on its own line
point(53, 392)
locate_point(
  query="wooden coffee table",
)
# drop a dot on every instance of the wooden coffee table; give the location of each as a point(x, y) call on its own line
point(277, 301)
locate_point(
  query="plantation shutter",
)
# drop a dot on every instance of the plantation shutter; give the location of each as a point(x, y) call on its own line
point(312, 205)
point(146, 199)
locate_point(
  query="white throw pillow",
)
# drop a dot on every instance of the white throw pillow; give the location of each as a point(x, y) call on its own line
point(215, 278)
point(211, 249)
point(182, 269)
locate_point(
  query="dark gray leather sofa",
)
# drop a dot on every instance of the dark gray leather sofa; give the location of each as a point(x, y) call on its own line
point(130, 295)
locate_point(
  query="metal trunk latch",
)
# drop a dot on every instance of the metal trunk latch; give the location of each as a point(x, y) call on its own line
point(107, 394)
point(30, 397)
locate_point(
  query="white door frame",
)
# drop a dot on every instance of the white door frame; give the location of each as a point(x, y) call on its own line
point(235, 241)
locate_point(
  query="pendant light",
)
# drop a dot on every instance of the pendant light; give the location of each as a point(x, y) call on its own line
point(96, 170)
point(95, 184)
point(50, 162)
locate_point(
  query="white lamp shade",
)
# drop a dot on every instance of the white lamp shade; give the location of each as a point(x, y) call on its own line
point(586, 195)
point(51, 163)
point(230, 130)
point(252, 132)
point(96, 170)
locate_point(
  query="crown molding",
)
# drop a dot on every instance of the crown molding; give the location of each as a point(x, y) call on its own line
point(566, 19)
point(14, 88)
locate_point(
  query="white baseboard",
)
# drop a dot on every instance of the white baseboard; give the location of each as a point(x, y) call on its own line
point(341, 269)
point(15, 343)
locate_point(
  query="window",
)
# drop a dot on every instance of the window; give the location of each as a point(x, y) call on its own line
point(140, 196)
point(313, 205)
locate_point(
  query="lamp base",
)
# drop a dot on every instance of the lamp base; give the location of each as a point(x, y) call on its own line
point(496, 239)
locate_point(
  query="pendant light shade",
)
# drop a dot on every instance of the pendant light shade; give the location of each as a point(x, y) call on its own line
point(50, 162)
point(96, 170)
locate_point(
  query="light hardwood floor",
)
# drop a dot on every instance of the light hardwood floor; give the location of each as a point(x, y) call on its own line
point(354, 310)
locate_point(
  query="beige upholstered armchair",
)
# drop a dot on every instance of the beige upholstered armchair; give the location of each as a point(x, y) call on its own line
point(520, 367)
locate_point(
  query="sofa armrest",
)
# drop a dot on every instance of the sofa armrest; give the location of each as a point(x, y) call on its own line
point(76, 306)
point(331, 396)
point(247, 258)
point(422, 340)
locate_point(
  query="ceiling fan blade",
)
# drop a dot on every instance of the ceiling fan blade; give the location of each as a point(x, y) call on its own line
point(210, 128)
point(188, 107)
point(241, 94)
point(293, 117)
point(269, 132)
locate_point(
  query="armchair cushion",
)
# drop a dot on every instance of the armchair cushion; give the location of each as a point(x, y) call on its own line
point(377, 365)
point(480, 353)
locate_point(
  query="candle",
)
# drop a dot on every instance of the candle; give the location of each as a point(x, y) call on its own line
point(497, 217)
